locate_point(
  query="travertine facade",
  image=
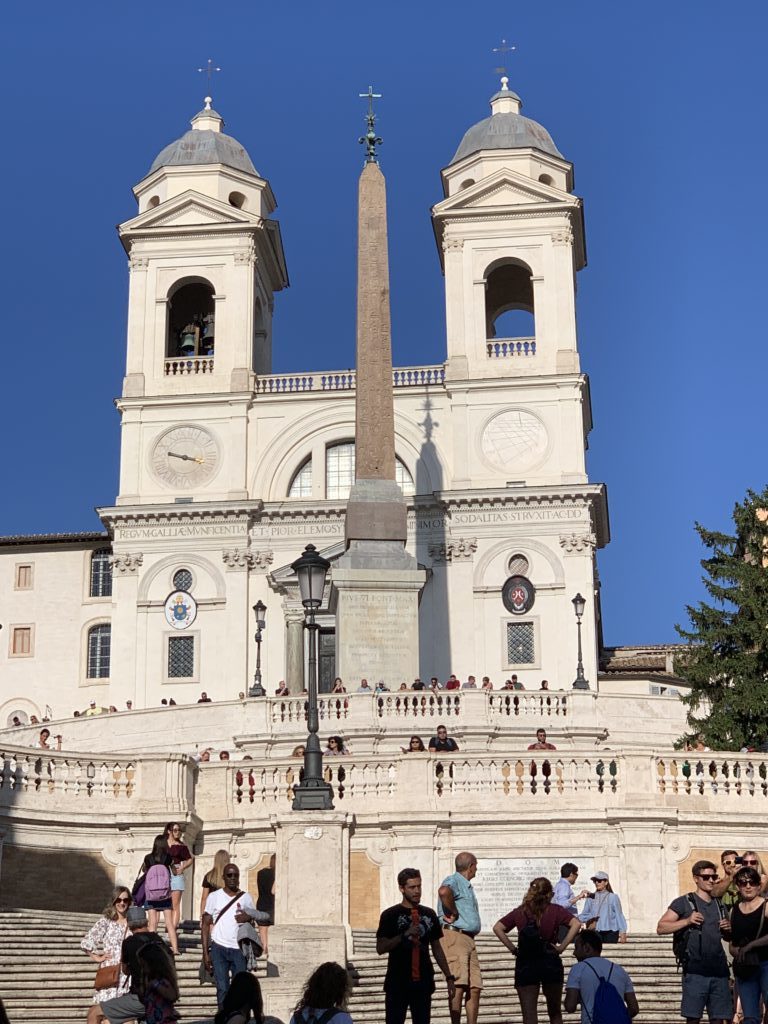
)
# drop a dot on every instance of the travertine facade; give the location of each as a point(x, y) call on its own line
point(227, 470)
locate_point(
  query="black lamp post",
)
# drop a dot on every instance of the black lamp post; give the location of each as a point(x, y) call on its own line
point(260, 611)
point(579, 683)
point(313, 793)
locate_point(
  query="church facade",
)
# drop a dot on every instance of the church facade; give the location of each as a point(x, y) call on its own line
point(227, 470)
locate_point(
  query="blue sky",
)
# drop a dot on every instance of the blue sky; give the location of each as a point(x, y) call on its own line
point(659, 105)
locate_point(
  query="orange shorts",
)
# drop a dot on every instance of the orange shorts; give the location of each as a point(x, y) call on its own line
point(461, 954)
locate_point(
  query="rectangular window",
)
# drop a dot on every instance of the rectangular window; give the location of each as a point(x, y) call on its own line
point(21, 641)
point(23, 577)
point(181, 657)
point(99, 651)
point(101, 574)
point(521, 643)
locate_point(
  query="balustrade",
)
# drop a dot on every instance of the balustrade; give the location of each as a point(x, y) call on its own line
point(532, 775)
point(716, 775)
point(342, 380)
point(501, 349)
point(528, 705)
point(64, 775)
point(188, 366)
point(418, 705)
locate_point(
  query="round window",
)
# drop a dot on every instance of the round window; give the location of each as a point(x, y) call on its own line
point(182, 580)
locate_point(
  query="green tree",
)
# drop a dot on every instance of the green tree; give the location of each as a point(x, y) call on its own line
point(726, 662)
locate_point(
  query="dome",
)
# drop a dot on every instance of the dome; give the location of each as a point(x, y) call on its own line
point(205, 143)
point(506, 128)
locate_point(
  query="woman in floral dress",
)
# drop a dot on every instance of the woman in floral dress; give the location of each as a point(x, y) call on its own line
point(104, 941)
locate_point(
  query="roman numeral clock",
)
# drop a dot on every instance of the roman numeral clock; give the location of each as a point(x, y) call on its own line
point(185, 456)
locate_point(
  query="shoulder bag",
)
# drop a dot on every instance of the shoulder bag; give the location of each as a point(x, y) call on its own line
point(108, 977)
point(747, 966)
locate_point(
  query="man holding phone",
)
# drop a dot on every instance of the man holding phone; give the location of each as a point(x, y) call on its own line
point(706, 977)
point(725, 889)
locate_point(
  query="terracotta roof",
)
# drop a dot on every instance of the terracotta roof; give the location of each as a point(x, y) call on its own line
point(30, 539)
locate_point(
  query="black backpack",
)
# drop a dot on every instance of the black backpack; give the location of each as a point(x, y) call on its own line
point(530, 944)
point(681, 939)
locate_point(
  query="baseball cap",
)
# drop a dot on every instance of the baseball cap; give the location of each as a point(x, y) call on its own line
point(599, 876)
point(136, 915)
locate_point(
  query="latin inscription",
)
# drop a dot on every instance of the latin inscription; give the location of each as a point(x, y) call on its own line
point(198, 530)
point(500, 884)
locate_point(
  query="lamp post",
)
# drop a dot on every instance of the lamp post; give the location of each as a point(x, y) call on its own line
point(313, 793)
point(260, 611)
point(579, 683)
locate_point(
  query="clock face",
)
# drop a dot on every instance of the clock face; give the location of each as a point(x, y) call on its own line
point(185, 456)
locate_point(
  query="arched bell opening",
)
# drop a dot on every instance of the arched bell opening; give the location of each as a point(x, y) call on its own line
point(191, 320)
point(509, 310)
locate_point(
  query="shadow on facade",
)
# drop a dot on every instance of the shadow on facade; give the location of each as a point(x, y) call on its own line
point(39, 877)
point(432, 554)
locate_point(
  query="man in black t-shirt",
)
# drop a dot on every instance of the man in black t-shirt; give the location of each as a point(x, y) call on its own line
point(127, 1007)
point(406, 932)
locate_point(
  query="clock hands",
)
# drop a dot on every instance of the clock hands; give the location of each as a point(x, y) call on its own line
point(186, 458)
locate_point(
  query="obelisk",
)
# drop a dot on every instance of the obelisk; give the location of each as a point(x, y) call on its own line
point(376, 582)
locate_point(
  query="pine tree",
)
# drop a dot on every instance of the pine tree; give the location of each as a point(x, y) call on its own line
point(726, 662)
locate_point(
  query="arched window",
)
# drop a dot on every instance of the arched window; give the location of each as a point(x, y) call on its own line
point(191, 321)
point(237, 199)
point(340, 471)
point(99, 644)
point(153, 202)
point(546, 179)
point(101, 573)
point(301, 485)
point(182, 580)
point(509, 301)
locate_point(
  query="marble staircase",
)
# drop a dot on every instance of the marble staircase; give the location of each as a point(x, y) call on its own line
point(45, 977)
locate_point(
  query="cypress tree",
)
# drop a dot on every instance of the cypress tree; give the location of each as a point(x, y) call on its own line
point(726, 662)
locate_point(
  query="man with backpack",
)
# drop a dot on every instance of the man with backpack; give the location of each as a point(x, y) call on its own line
point(603, 988)
point(698, 923)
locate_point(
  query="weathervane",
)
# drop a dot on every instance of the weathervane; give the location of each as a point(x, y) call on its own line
point(209, 71)
point(370, 139)
point(502, 51)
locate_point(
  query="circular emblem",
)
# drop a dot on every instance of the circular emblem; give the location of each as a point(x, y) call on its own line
point(185, 456)
point(180, 609)
point(518, 595)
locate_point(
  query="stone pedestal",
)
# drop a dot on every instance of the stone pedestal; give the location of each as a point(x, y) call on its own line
point(311, 903)
point(377, 624)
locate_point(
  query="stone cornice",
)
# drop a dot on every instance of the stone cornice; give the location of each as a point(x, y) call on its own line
point(166, 515)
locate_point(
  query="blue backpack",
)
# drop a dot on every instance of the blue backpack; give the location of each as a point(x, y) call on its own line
point(608, 1007)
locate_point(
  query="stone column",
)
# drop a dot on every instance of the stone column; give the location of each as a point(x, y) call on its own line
point(294, 652)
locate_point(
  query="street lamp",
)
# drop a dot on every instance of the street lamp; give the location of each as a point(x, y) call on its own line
point(313, 793)
point(260, 611)
point(579, 683)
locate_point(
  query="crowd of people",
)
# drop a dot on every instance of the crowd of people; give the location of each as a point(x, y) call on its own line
point(136, 977)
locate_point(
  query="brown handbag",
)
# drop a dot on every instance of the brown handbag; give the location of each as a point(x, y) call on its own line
point(107, 977)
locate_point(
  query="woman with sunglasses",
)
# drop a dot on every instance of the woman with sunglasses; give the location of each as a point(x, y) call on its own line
point(104, 942)
point(750, 859)
point(749, 944)
point(602, 911)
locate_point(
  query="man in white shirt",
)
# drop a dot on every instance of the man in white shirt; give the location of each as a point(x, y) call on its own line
point(225, 910)
point(584, 977)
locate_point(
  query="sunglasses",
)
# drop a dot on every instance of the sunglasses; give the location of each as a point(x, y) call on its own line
point(748, 885)
point(709, 878)
point(122, 899)
point(750, 863)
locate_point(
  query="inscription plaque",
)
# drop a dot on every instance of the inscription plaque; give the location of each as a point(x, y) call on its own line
point(501, 883)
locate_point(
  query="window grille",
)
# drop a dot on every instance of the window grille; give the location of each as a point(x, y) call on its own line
point(101, 573)
point(301, 485)
point(99, 648)
point(521, 646)
point(181, 657)
point(182, 580)
point(518, 565)
point(23, 577)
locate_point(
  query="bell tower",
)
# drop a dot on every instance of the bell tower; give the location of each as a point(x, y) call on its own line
point(205, 261)
point(511, 239)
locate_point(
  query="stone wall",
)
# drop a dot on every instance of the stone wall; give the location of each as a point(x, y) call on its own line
point(55, 879)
